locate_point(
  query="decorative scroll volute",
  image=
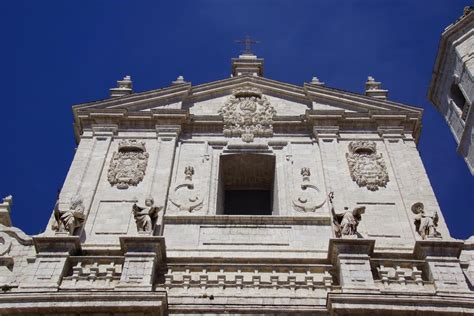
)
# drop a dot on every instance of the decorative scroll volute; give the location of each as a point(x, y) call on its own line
point(309, 197)
point(184, 196)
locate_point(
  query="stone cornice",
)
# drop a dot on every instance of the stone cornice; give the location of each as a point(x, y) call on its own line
point(129, 111)
point(380, 121)
point(357, 100)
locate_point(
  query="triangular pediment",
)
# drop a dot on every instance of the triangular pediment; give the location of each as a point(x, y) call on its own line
point(206, 99)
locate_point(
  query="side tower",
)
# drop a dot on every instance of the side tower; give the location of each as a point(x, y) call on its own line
point(243, 195)
point(452, 84)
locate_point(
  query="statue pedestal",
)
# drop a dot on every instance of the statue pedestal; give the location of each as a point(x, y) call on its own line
point(51, 262)
point(442, 260)
point(142, 255)
point(352, 259)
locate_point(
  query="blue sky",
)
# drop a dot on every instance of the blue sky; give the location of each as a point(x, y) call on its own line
point(60, 53)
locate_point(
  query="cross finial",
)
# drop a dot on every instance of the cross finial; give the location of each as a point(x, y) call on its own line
point(247, 42)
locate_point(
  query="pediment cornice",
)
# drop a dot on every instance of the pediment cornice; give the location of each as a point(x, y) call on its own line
point(143, 109)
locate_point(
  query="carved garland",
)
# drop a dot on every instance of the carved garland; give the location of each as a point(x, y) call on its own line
point(366, 167)
point(247, 114)
point(128, 164)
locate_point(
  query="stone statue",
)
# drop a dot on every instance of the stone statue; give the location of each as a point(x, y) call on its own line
point(346, 223)
point(425, 221)
point(145, 216)
point(70, 219)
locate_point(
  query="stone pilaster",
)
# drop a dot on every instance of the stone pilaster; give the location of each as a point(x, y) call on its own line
point(352, 260)
point(167, 137)
point(50, 264)
point(142, 256)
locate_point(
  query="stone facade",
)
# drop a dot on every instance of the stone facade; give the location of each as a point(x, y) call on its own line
point(244, 195)
point(452, 84)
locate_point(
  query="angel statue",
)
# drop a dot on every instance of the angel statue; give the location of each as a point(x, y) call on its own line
point(425, 221)
point(70, 219)
point(145, 216)
point(346, 223)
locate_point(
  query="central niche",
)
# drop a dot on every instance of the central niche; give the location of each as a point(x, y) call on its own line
point(246, 183)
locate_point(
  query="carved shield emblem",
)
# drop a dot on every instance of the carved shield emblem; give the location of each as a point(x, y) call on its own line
point(247, 114)
point(128, 164)
point(367, 168)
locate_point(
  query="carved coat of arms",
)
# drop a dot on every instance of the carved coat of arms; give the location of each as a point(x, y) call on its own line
point(367, 168)
point(247, 114)
point(128, 164)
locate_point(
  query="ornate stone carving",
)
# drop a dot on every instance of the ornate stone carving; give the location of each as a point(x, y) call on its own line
point(5, 244)
point(366, 167)
point(309, 198)
point(92, 273)
point(184, 196)
point(228, 279)
point(248, 114)
point(145, 216)
point(425, 221)
point(128, 164)
point(66, 221)
point(400, 275)
point(345, 224)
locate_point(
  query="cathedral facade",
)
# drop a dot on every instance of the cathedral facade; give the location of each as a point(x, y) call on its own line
point(241, 196)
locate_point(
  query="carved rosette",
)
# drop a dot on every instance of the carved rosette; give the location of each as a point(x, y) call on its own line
point(128, 164)
point(247, 114)
point(367, 168)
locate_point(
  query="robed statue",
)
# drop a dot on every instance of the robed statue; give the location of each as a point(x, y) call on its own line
point(145, 216)
point(345, 224)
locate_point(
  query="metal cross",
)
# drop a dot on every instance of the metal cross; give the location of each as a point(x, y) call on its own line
point(247, 42)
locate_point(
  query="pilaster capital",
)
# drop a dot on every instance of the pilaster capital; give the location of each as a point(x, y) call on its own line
point(391, 132)
point(168, 131)
point(326, 132)
point(104, 130)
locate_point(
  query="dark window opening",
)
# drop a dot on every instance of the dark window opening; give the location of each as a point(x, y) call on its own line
point(457, 96)
point(247, 202)
point(246, 184)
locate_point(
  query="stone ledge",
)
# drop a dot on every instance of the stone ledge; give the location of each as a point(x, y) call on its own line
point(356, 247)
point(437, 248)
point(154, 303)
point(244, 219)
point(65, 244)
point(384, 304)
point(144, 244)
